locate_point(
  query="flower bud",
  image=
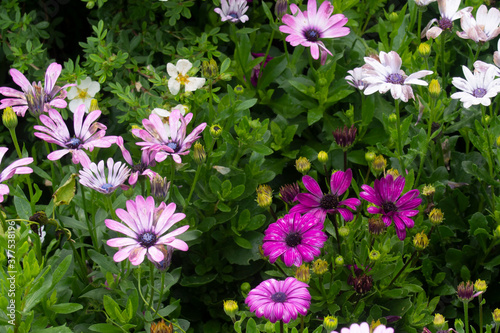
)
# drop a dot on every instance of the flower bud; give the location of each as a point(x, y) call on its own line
point(393, 172)
point(374, 255)
point(436, 216)
point(393, 118)
point(370, 156)
point(161, 326)
point(439, 321)
point(93, 105)
point(428, 190)
point(393, 17)
point(289, 192)
point(199, 154)
point(330, 323)
point(465, 292)
point(159, 187)
point(344, 231)
point(323, 156)
point(303, 273)
point(9, 118)
point(420, 241)
point(379, 163)
point(320, 266)
point(496, 232)
point(215, 130)
point(245, 288)
point(344, 137)
point(303, 165)
point(424, 49)
point(167, 258)
point(480, 285)
point(339, 261)
point(280, 8)
point(238, 90)
point(264, 196)
point(230, 308)
point(209, 69)
point(496, 316)
point(434, 88)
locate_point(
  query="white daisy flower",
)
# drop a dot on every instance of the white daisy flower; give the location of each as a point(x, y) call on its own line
point(423, 2)
point(482, 29)
point(233, 11)
point(478, 88)
point(178, 76)
point(83, 94)
point(355, 79)
point(449, 13)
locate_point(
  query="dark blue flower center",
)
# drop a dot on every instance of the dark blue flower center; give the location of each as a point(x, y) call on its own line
point(389, 207)
point(329, 201)
point(173, 145)
point(279, 297)
point(311, 35)
point(479, 92)
point(73, 143)
point(106, 187)
point(293, 239)
point(147, 239)
point(139, 167)
point(445, 23)
point(395, 78)
point(233, 15)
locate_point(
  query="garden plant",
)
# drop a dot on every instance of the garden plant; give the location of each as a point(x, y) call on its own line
point(250, 166)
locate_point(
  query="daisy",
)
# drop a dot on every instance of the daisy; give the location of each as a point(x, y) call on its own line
point(386, 74)
point(165, 114)
point(34, 97)
point(306, 28)
point(478, 88)
point(365, 328)
point(146, 227)
point(294, 238)
point(385, 194)
point(449, 13)
point(95, 178)
point(161, 144)
point(321, 204)
point(233, 11)
point(83, 94)
point(15, 168)
point(355, 78)
point(279, 300)
point(422, 3)
point(88, 135)
point(140, 169)
point(482, 29)
point(178, 76)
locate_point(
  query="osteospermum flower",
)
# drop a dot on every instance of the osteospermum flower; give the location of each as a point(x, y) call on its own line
point(140, 169)
point(256, 71)
point(17, 167)
point(146, 227)
point(386, 194)
point(449, 13)
point(233, 11)
point(95, 178)
point(179, 77)
point(308, 27)
point(88, 135)
point(161, 144)
point(279, 300)
point(321, 204)
point(423, 2)
point(365, 328)
point(83, 94)
point(34, 97)
point(386, 74)
point(477, 88)
point(482, 29)
point(355, 78)
point(294, 239)
point(165, 115)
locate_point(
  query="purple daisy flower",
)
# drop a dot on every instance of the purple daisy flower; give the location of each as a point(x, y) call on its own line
point(161, 144)
point(33, 96)
point(306, 28)
point(279, 300)
point(233, 11)
point(145, 227)
point(256, 71)
point(141, 169)
point(294, 238)
point(321, 204)
point(386, 194)
point(17, 167)
point(95, 178)
point(88, 135)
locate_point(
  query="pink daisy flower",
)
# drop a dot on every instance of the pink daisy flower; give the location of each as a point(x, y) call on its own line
point(33, 96)
point(146, 227)
point(306, 28)
point(88, 135)
point(140, 169)
point(386, 194)
point(321, 204)
point(294, 238)
point(17, 167)
point(279, 300)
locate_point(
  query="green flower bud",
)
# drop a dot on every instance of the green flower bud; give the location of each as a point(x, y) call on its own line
point(215, 130)
point(330, 323)
point(339, 261)
point(9, 118)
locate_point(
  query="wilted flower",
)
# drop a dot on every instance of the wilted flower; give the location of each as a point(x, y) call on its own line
point(344, 137)
point(233, 11)
point(82, 94)
point(482, 29)
point(465, 291)
point(94, 176)
point(161, 327)
point(264, 196)
point(279, 300)
point(478, 88)
point(449, 13)
point(302, 164)
point(17, 167)
point(178, 76)
point(303, 273)
point(306, 28)
point(294, 238)
point(376, 225)
point(289, 192)
point(361, 282)
point(145, 225)
point(320, 266)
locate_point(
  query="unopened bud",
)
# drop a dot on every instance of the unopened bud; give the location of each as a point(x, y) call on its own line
point(320, 266)
point(199, 154)
point(323, 156)
point(9, 118)
point(428, 190)
point(424, 50)
point(303, 165)
point(370, 156)
point(496, 316)
point(436, 216)
point(303, 273)
point(330, 323)
point(379, 163)
point(215, 130)
point(393, 17)
point(420, 241)
point(434, 88)
point(280, 8)
point(344, 231)
point(339, 261)
point(238, 90)
point(230, 308)
point(393, 118)
point(480, 285)
point(209, 69)
point(264, 196)
point(439, 321)
point(374, 255)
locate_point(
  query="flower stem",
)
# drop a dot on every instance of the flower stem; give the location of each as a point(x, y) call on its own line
point(423, 155)
point(334, 220)
point(161, 293)
point(193, 185)
point(281, 326)
point(265, 56)
point(480, 313)
point(400, 144)
point(443, 63)
point(403, 268)
point(172, 176)
point(20, 154)
point(152, 282)
point(466, 316)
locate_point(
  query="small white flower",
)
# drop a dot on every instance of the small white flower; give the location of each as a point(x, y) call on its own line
point(482, 29)
point(449, 13)
point(164, 115)
point(355, 79)
point(233, 10)
point(178, 76)
point(95, 178)
point(424, 2)
point(386, 74)
point(478, 88)
point(83, 94)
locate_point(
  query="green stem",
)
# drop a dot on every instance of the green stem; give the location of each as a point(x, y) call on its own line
point(419, 24)
point(20, 154)
point(90, 227)
point(172, 176)
point(443, 62)
point(480, 313)
point(193, 185)
point(403, 268)
point(334, 220)
point(161, 293)
point(466, 316)
point(152, 282)
point(265, 56)
point(479, 46)
point(400, 144)
point(423, 155)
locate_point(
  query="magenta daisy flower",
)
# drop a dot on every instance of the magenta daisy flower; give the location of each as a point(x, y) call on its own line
point(294, 238)
point(17, 167)
point(146, 227)
point(279, 300)
point(321, 204)
point(33, 96)
point(88, 135)
point(95, 178)
point(386, 195)
point(161, 144)
point(306, 28)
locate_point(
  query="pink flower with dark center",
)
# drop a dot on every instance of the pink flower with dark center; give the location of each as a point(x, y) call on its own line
point(33, 96)
point(308, 27)
point(146, 227)
point(161, 144)
point(321, 204)
point(88, 135)
point(140, 169)
point(386, 194)
point(294, 238)
point(15, 168)
point(279, 300)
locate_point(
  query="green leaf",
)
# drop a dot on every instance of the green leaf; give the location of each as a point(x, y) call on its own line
point(273, 69)
point(261, 149)
point(57, 329)
point(65, 193)
point(314, 115)
point(245, 105)
point(251, 326)
point(105, 328)
point(23, 207)
point(66, 307)
point(112, 309)
point(104, 262)
point(61, 269)
point(243, 242)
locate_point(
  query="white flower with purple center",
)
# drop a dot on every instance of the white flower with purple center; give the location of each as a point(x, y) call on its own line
point(449, 13)
point(355, 78)
point(233, 11)
point(477, 88)
point(94, 176)
point(482, 29)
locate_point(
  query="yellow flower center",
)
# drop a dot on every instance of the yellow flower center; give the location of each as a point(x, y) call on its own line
point(82, 93)
point(183, 79)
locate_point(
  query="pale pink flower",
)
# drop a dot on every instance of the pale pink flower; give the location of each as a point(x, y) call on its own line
point(233, 11)
point(140, 169)
point(496, 55)
point(94, 176)
point(449, 13)
point(355, 78)
point(482, 29)
point(477, 88)
point(17, 167)
point(422, 3)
